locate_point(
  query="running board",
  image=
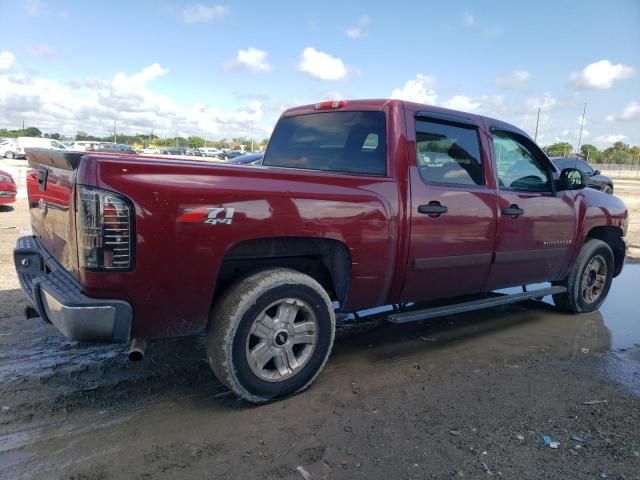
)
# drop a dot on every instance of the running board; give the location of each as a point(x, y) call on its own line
point(503, 299)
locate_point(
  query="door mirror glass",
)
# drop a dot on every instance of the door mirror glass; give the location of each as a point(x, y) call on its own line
point(572, 179)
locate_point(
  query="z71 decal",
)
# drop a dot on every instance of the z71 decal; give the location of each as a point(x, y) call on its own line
point(210, 215)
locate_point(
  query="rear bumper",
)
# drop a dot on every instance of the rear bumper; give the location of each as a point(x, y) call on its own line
point(58, 298)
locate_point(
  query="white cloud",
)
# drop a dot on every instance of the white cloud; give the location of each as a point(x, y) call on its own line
point(516, 78)
point(546, 102)
point(251, 59)
point(358, 30)
point(33, 7)
point(92, 104)
point(140, 79)
point(600, 74)
point(462, 102)
point(7, 59)
point(199, 13)
point(484, 104)
point(417, 90)
point(43, 51)
point(610, 138)
point(321, 66)
point(469, 19)
point(630, 112)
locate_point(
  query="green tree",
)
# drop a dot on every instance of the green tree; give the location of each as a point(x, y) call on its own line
point(559, 149)
point(195, 142)
point(591, 152)
point(31, 132)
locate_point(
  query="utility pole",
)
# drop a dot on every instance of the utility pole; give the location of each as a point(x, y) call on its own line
point(535, 138)
point(251, 136)
point(584, 112)
point(115, 131)
point(23, 125)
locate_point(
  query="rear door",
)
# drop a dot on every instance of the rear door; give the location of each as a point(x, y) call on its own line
point(536, 225)
point(452, 210)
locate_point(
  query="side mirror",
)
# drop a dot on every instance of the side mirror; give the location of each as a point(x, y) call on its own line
point(572, 179)
point(596, 172)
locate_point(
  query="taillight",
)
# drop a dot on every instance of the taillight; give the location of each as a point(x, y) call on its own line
point(330, 105)
point(105, 230)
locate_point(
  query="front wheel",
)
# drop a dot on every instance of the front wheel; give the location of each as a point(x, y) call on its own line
point(9, 155)
point(589, 280)
point(608, 189)
point(270, 334)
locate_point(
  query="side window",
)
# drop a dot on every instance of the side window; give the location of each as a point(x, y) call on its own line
point(448, 154)
point(517, 167)
point(586, 168)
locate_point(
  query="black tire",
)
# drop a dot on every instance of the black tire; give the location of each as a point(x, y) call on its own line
point(234, 317)
point(608, 189)
point(9, 155)
point(575, 300)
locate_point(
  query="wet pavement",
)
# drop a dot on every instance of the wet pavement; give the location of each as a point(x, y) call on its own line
point(468, 395)
point(80, 411)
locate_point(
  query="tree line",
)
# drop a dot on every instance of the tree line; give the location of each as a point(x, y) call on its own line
point(619, 153)
point(142, 141)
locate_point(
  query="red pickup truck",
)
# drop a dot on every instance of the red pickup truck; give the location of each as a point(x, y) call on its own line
point(357, 204)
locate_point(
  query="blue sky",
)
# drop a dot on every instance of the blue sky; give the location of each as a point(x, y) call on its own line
point(223, 69)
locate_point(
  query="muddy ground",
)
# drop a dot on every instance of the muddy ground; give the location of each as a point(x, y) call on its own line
point(466, 396)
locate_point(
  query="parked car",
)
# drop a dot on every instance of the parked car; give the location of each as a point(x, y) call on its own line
point(16, 148)
point(348, 217)
point(85, 145)
point(233, 154)
point(209, 152)
point(596, 179)
point(8, 147)
point(113, 148)
point(151, 151)
point(174, 151)
point(7, 188)
point(249, 159)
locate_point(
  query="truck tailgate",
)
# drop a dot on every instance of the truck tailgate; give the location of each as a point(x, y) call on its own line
point(50, 187)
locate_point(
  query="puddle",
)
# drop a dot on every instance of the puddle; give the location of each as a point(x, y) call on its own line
point(621, 310)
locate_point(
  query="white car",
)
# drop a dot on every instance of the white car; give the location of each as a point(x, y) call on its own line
point(17, 150)
point(85, 145)
point(8, 147)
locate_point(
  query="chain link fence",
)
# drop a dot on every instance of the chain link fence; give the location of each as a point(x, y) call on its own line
point(619, 171)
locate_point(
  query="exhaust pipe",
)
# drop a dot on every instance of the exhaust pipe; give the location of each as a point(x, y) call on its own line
point(137, 348)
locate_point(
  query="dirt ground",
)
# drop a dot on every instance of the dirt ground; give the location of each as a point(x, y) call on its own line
point(465, 396)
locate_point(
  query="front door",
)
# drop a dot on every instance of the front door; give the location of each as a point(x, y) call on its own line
point(536, 225)
point(453, 212)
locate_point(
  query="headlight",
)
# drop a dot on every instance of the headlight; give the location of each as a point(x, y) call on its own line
point(4, 178)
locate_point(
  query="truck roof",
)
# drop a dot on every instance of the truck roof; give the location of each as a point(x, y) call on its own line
point(384, 103)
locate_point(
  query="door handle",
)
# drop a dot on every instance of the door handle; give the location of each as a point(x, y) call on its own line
point(513, 211)
point(433, 208)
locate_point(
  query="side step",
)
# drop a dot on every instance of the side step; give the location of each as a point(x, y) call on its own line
point(416, 315)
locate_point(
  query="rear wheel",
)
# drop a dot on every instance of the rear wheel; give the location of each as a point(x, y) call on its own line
point(589, 280)
point(270, 334)
point(608, 189)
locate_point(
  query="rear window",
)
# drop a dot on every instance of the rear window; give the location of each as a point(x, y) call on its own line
point(352, 142)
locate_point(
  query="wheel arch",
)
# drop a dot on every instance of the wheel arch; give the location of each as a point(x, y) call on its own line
point(612, 236)
point(326, 260)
